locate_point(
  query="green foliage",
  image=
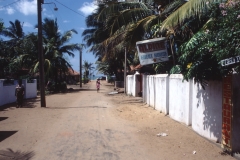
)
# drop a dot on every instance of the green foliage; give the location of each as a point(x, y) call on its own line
point(87, 68)
point(219, 39)
point(1, 25)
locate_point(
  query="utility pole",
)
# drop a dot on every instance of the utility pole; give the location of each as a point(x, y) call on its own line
point(125, 72)
point(40, 54)
point(80, 60)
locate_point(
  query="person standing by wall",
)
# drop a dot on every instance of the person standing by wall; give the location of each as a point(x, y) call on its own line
point(19, 93)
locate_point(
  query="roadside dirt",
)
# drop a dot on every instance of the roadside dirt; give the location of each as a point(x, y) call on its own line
point(82, 124)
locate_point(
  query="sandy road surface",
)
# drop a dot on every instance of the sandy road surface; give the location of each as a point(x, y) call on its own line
point(86, 125)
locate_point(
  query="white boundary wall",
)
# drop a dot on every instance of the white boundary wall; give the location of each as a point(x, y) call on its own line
point(133, 85)
point(7, 93)
point(179, 99)
point(186, 102)
point(162, 93)
point(207, 110)
point(130, 82)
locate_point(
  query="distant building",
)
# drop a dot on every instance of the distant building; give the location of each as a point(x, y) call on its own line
point(72, 76)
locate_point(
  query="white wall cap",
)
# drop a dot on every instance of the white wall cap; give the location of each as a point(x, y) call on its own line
point(178, 76)
point(162, 75)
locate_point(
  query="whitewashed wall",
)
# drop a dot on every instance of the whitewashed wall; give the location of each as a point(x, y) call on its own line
point(186, 102)
point(30, 89)
point(151, 91)
point(130, 82)
point(133, 85)
point(144, 88)
point(7, 93)
point(162, 94)
point(207, 110)
point(179, 97)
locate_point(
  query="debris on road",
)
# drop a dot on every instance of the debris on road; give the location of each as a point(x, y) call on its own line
point(113, 93)
point(162, 134)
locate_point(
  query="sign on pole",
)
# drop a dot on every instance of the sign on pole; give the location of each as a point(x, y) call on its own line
point(152, 51)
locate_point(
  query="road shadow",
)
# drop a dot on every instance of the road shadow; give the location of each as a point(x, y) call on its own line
point(31, 103)
point(73, 90)
point(132, 101)
point(6, 134)
point(27, 103)
point(9, 154)
point(75, 107)
point(112, 85)
point(3, 118)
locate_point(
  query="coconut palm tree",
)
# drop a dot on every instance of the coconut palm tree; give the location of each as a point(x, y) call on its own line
point(56, 49)
point(1, 25)
point(87, 68)
point(191, 9)
point(14, 35)
point(123, 24)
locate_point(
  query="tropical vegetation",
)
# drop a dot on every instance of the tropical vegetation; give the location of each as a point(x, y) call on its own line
point(87, 67)
point(19, 52)
point(200, 34)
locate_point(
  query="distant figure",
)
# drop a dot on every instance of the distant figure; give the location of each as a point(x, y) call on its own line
point(98, 84)
point(19, 93)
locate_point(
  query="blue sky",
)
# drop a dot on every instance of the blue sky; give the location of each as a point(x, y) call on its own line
point(71, 14)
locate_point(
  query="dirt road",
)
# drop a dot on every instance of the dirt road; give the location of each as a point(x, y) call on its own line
point(86, 125)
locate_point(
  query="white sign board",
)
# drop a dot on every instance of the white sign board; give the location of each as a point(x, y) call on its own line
point(152, 51)
point(229, 61)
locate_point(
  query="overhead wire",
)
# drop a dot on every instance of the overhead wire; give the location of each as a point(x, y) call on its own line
point(56, 15)
point(69, 8)
point(9, 4)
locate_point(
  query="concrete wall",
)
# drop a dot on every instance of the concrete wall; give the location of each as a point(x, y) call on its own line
point(133, 85)
point(207, 110)
point(151, 91)
point(130, 83)
point(162, 93)
point(144, 88)
point(30, 89)
point(186, 102)
point(7, 93)
point(179, 98)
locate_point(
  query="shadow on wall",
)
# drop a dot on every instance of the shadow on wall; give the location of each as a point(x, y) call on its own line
point(210, 100)
point(9, 154)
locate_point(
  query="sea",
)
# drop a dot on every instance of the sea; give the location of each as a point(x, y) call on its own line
point(97, 76)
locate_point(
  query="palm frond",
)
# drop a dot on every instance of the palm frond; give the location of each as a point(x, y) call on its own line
point(193, 8)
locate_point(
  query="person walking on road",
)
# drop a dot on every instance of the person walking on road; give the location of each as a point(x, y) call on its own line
point(98, 84)
point(19, 93)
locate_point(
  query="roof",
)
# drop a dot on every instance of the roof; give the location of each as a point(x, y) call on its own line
point(137, 67)
point(73, 72)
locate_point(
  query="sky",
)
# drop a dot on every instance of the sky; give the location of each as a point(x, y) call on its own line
point(71, 14)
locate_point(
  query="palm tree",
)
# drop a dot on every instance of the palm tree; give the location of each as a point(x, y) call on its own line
point(56, 48)
point(122, 25)
point(1, 25)
point(191, 9)
point(87, 68)
point(14, 32)
point(14, 35)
